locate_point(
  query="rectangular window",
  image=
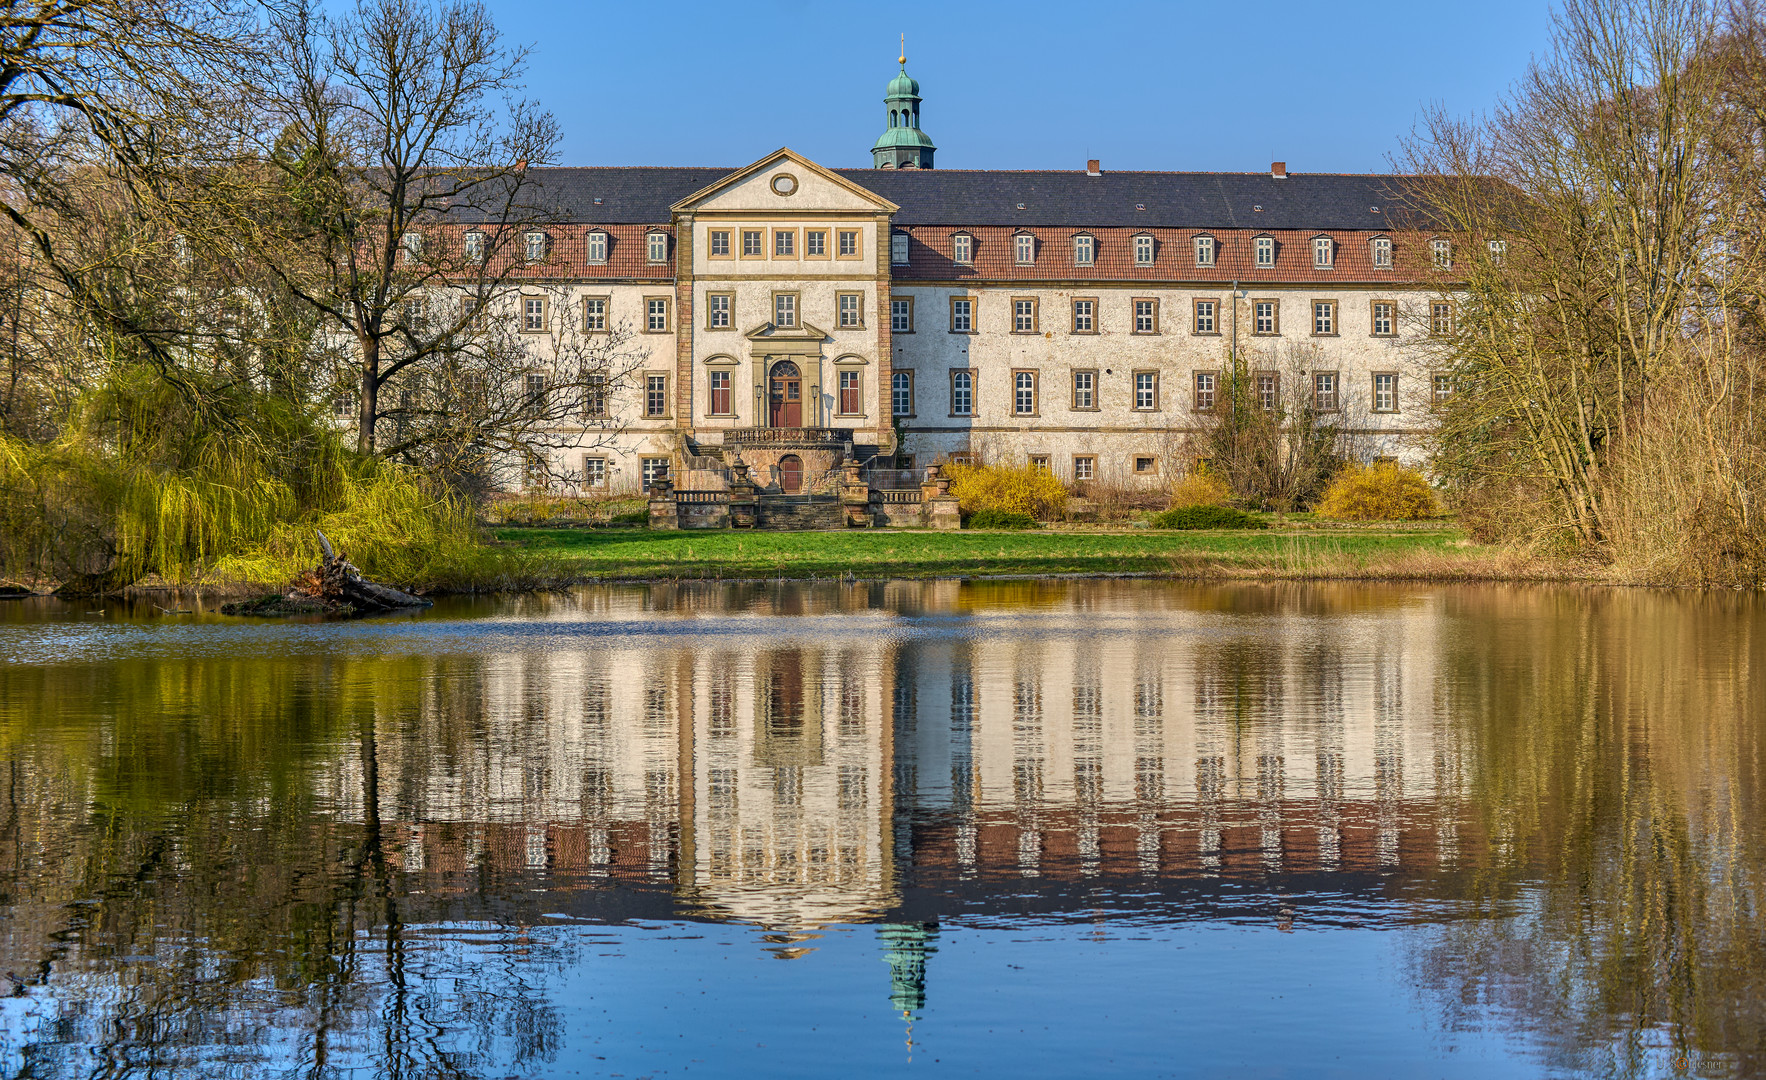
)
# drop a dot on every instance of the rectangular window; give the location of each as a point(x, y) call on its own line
point(656, 315)
point(1024, 393)
point(1442, 253)
point(1265, 249)
point(901, 393)
point(720, 393)
point(655, 395)
point(1382, 253)
point(852, 309)
point(751, 244)
point(1385, 392)
point(815, 243)
point(1385, 318)
point(1263, 317)
point(784, 243)
point(1143, 250)
point(1085, 251)
point(1085, 467)
point(473, 247)
point(1206, 321)
point(1269, 390)
point(655, 470)
point(1146, 391)
point(1146, 316)
point(1207, 382)
point(1144, 466)
point(901, 315)
point(533, 314)
point(898, 249)
point(962, 315)
point(1039, 461)
point(1085, 316)
point(658, 247)
point(1324, 391)
point(1085, 389)
point(784, 309)
point(720, 243)
point(536, 393)
point(594, 471)
point(595, 396)
point(1324, 317)
point(535, 247)
point(1024, 249)
point(962, 393)
point(717, 310)
point(597, 248)
point(850, 401)
point(1322, 251)
point(1023, 315)
point(1498, 251)
point(1440, 318)
point(1440, 388)
point(595, 314)
point(848, 240)
point(962, 249)
point(1204, 251)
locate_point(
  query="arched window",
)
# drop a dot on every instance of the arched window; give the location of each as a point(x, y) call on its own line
point(891, 117)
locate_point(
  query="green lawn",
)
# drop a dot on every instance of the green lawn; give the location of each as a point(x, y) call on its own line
point(640, 553)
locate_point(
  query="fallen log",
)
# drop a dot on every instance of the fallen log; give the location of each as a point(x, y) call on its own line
point(334, 587)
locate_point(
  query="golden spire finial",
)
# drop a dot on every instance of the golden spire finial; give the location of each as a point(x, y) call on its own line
point(903, 58)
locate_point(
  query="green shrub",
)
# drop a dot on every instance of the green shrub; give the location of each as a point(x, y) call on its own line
point(1026, 490)
point(1384, 492)
point(1206, 517)
point(1000, 519)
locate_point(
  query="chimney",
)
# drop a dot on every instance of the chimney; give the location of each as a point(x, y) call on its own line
point(1278, 170)
point(1091, 168)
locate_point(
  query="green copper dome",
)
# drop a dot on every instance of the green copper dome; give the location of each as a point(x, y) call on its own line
point(902, 86)
point(902, 145)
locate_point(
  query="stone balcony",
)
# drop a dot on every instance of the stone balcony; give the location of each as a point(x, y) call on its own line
point(784, 437)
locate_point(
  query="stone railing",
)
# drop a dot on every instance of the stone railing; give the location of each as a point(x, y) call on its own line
point(776, 436)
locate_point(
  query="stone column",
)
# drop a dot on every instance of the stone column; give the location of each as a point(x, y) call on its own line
point(938, 507)
point(855, 495)
point(742, 500)
point(664, 512)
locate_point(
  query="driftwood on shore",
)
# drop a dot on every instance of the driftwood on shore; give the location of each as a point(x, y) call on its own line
point(334, 587)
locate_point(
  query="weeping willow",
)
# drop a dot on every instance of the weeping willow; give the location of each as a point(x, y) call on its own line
point(197, 484)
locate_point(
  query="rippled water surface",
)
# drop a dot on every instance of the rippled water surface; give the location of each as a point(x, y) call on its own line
point(1028, 829)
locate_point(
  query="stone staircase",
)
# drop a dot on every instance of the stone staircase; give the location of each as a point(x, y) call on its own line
point(796, 513)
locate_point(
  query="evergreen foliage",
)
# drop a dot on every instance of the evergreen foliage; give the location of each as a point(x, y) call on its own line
point(992, 518)
point(1206, 517)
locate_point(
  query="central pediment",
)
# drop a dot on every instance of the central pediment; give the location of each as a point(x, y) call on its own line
point(784, 182)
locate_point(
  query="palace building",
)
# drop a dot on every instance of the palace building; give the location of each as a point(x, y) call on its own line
point(792, 317)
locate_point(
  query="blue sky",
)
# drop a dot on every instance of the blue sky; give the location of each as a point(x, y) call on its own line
point(1328, 87)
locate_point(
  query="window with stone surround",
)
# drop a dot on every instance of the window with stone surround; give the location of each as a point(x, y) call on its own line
point(1206, 317)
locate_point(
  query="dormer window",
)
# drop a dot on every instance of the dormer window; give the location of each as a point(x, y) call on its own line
point(597, 247)
point(656, 250)
point(1322, 251)
point(411, 247)
point(1442, 252)
point(898, 249)
point(1382, 252)
point(1498, 249)
point(535, 247)
point(473, 246)
point(1204, 251)
point(1024, 249)
point(1085, 250)
point(1143, 250)
point(962, 249)
point(1264, 247)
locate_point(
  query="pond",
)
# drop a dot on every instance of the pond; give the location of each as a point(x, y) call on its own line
point(1031, 828)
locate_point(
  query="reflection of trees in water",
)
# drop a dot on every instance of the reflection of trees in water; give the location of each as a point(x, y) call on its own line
point(1614, 754)
point(209, 914)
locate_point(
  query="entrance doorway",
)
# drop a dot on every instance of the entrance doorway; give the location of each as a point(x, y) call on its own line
point(786, 397)
point(791, 474)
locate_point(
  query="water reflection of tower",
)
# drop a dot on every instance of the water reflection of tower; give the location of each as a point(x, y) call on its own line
point(905, 947)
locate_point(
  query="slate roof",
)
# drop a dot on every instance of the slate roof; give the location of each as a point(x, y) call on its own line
point(978, 197)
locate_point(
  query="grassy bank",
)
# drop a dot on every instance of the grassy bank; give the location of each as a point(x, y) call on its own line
point(1420, 553)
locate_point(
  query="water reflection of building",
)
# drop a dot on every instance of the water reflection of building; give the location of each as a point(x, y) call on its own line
point(791, 783)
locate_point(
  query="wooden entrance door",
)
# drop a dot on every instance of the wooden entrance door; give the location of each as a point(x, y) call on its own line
point(791, 474)
point(786, 397)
